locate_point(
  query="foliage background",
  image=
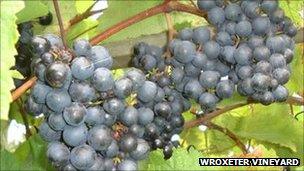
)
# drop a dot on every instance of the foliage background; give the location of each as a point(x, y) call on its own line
point(271, 131)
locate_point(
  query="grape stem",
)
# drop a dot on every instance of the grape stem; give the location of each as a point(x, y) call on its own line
point(196, 122)
point(229, 133)
point(62, 32)
point(25, 86)
point(166, 7)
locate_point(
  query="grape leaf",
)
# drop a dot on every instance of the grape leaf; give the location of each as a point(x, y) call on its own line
point(9, 36)
point(9, 161)
point(293, 9)
point(82, 6)
point(151, 25)
point(295, 83)
point(28, 14)
point(272, 124)
point(32, 153)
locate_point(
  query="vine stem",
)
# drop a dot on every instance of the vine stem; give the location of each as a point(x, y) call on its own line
point(229, 133)
point(62, 32)
point(25, 86)
point(165, 7)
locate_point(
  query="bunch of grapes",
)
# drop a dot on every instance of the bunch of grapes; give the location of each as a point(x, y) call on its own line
point(25, 55)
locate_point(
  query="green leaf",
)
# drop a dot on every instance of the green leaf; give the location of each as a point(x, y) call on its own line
point(9, 36)
point(295, 83)
point(32, 153)
point(9, 161)
point(271, 124)
point(180, 160)
point(16, 74)
point(293, 9)
point(79, 29)
point(194, 137)
point(82, 6)
point(32, 10)
point(152, 25)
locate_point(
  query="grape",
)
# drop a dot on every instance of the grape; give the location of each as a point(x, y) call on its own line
point(263, 67)
point(261, 53)
point(56, 73)
point(251, 9)
point(137, 130)
point(276, 44)
point(128, 143)
point(199, 59)
point(269, 6)
point(102, 79)
point(39, 70)
point(98, 164)
point(147, 92)
point(110, 119)
point(177, 75)
point(101, 57)
point(82, 47)
point(57, 100)
point(255, 41)
point(277, 15)
point(245, 87)
point(191, 70)
point(114, 106)
point(127, 165)
point(74, 114)
point(83, 157)
point(223, 38)
point(281, 75)
point(99, 137)
point(163, 81)
point(245, 72)
point(160, 95)
point(148, 62)
point(243, 55)
point(184, 52)
point(224, 89)
point(167, 151)
point(227, 54)
point(233, 12)
point(40, 45)
point(39, 92)
point(212, 49)
point(47, 133)
point(129, 116)
point(46, 20)
point(229, 27)
point(82, 68)
point(140, 49)
point(280, 93)
point(82, 92)
point(142, 150)
point(201, 35)
point(193, 89)
point(185, 34)
point(32, 107)
point(177, 121)
point(232, 76)
point(260, 82)
point(137, 76)
point(277, 60)
point(75, 135)
point(145, 116)
point(216, 16)
point(261, 25)
point(155, 51)
point(206, 4)
point(174, 43)
point(109, 164)
point(58, 153)
point(112, 150)
point(123, 87)
point(69, 167)
point(243, 29)
point(288, 55)
point(151, 130)
point(222, 68)
point(55, 41)
point(47, 58)
point(209, 79)
point(162, 109)
point(291, 31)
point(95, 116)
point(56, 121)
point(208, 101)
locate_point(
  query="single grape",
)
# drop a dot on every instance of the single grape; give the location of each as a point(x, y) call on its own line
point(137, 76)
point(123, 87)
point(163, 109)
point(198, 60)
point(281, 75)
point(127, 165)
point(277, 60)
point(98, 164)
point(47, 58)
point(33, 108)
point(114, 106)
point(75, 135)
point(128, 143)
point(147, 92)
point(47, 133)
point(112, 150)
point(260, 82)
point(212, 49)
point(193, 89)
point(227, 54)
point(56, 121)
point(224, 89)
point(101, 57)
point(102, 79)
point(185, 34)
point(75, 114)
point(261, 25)
point(82, 92)
point(206, 4)
point(243, 28)
point(57, 100)
point(209, 79)
point(224, 39)
point(216, 16)
point(129, 116)
point(142, 150)
point(280, 93)
point(56, 74)
point(208, 101)
point(39, 92)
point(184, 52)
point(145, 116)
point(40, 45)
point(233, 12)
point(82, 68)
point(83, 157)
point(95, 116)
point(58, 153)
point(82, 47)
point(261, 53)
point(244, 72)
point(201, 35)
point(177, 75)
point(99, 137)
point(243, 55)
point(46, 19)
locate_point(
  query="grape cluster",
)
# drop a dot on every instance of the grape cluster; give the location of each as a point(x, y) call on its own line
point(25, 55)
point(96, 122)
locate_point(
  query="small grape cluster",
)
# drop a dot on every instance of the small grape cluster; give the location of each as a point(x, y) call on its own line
point(25, 55)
